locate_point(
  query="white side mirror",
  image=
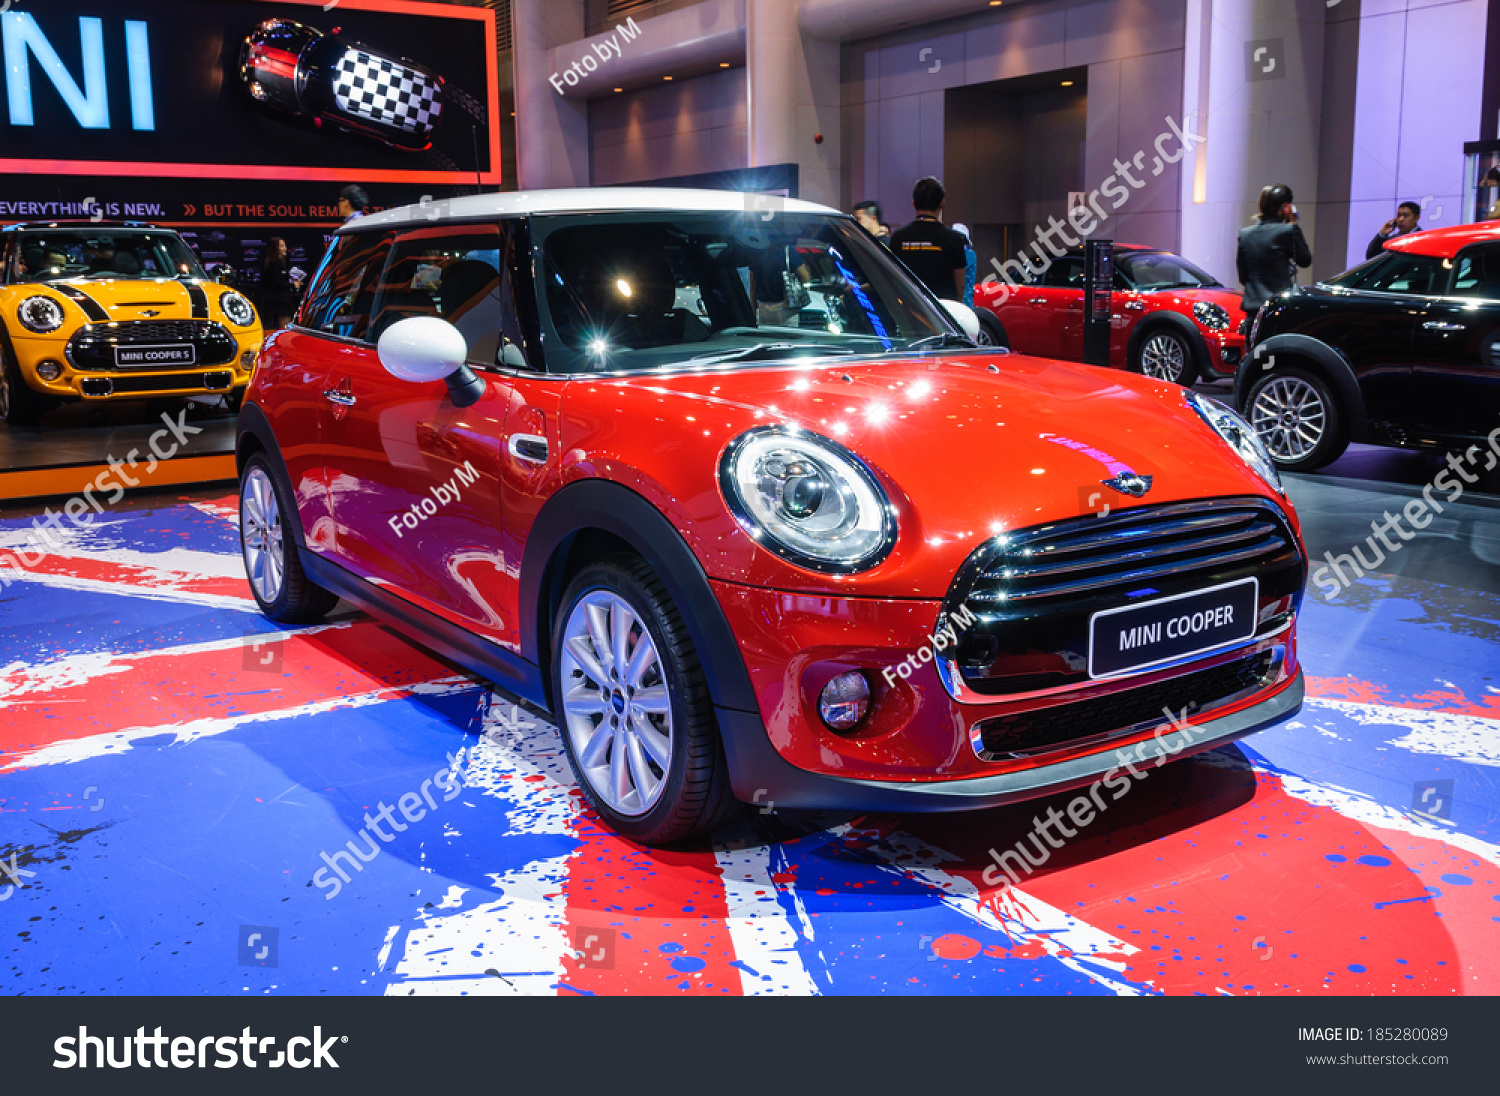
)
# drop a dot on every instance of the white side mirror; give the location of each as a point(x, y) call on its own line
point(422, 349)
point(968, 322)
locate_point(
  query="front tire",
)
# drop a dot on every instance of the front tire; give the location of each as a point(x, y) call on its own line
point(633, 707)
point(20, 404)
point(990, 331)
point(1297, 417)
point(1166, 355)
point(281, 588)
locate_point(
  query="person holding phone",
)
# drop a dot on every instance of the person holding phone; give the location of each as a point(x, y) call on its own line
point(1405, 221)
point(1271, 249)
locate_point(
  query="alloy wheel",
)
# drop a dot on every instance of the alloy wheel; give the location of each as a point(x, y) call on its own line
point(261, 536)
point(616, 707)
point(1290, 417)
point(1164, 357)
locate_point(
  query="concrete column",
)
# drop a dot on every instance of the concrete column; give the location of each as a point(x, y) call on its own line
point(1260, 113)
point(552, 133)
point(792, 86)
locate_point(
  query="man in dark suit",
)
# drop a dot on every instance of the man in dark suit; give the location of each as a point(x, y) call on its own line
point(1271, 249)
point(1405, 221)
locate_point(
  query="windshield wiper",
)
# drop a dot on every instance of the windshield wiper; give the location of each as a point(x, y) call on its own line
point(747, 351)
point(942, 340)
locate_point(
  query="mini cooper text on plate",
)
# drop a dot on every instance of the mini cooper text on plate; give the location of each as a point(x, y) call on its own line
point(102, 310)
point(743, 506)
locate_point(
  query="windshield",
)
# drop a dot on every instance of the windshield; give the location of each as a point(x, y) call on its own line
point(54, 254)
point(638, 291)
point(1396, 272)
point(1147, 270)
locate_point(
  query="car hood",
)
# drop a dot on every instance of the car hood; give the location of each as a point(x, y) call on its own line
point(966, 446)
point(129, 298)
point(1224, 298)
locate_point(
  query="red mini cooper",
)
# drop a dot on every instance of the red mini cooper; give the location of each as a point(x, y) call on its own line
point(1170, 320)
point(742, 505)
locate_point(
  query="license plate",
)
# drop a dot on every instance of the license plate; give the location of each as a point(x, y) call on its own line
point(149, 356)
point(1137, 637)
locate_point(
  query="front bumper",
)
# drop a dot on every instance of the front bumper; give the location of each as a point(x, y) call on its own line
point(762, 776)
point(74, 383)
point(1225, 349)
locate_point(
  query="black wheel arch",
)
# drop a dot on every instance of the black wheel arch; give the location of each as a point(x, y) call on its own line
point(595, 517)
point(253, 435)
point(1313, 354)
point(1178, 324)
point(997, 329)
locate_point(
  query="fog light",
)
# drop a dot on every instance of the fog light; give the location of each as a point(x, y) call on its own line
point(845, 701)
point(49, 370)
point(247, 360)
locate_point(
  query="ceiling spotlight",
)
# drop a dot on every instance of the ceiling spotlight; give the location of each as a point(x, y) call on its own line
point(619, 89)
point(723, 64)
point(1067, 83)
point(995, 3)
point(666, 77)
point(623, 286)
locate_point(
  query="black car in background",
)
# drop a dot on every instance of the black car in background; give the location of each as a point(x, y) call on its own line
point(1403, 350)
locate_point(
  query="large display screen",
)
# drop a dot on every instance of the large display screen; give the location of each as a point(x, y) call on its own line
point(375, 91)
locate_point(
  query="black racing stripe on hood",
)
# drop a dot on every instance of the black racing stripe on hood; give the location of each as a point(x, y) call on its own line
point(92, 309)
point(199, 300)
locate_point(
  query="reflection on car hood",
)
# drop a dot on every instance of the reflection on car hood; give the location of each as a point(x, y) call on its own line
point(963, 450)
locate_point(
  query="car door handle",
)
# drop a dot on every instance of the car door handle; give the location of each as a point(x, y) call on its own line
point(1442, 325)
point(1037, 300)
point(531, 448)
point(343, 399)
point(1134, 306)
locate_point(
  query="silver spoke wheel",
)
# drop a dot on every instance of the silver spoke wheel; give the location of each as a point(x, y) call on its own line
point(1164, 357)
point(261, 536)
point(984, 338)
point(616, 707)
point(1290, 417)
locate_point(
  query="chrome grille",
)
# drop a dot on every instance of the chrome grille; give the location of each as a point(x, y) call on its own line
point(1034, 590)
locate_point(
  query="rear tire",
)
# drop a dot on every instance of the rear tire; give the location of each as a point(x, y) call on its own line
point(20, 404)
point(633, 707)
point(1298, 418)
point(281, 588)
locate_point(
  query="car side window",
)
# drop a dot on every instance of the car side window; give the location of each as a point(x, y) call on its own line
point(1477, 274)
point(338, 302)
point(1064, 273)
point(459, 273)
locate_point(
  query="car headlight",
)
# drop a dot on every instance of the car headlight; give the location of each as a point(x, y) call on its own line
point(40, 314)
point(1240, 435)
point(1212, 316)
point(808, 499)
point(239, 310)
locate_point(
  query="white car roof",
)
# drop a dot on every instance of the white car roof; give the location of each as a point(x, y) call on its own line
point(585, 200)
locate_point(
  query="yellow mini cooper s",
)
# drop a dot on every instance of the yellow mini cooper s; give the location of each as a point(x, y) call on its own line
point(101, 311)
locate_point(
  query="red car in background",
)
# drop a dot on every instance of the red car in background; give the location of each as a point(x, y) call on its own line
point(1171, 320)
point(739, 504)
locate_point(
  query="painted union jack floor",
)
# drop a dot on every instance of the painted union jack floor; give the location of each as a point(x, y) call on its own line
point(185, 795)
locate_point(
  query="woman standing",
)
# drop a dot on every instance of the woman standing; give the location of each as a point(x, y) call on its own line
point(1271, 249)
point(277, 298)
